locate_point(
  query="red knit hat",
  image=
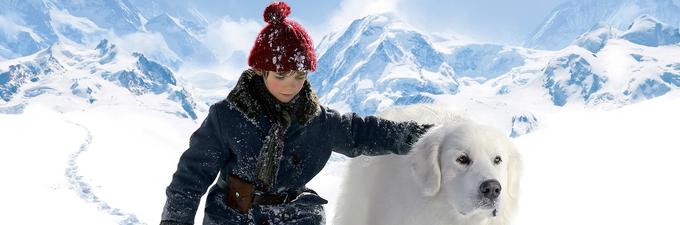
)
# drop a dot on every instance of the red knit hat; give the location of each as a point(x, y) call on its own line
point(283, 44)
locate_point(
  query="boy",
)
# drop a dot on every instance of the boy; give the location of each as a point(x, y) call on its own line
point(270, 137)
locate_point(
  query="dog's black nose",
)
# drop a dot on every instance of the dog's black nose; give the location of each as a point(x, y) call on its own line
point(490, 189)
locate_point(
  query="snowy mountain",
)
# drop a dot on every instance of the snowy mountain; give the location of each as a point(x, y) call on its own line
point(573, 79)
point(621, 73)
point(645, 30)
point(647, 66)
point(379, 61)
point(31, 26)
point(68, 78)
point(573, 18)
point(648, 31)
point(597, 38)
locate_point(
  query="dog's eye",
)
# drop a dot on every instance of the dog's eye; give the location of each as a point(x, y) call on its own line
point(463, 159)
point(497, 160)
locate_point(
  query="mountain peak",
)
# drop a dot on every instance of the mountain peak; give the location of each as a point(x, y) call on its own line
point(647, 30)
point(384, 61)
point(387, 20)
point(596, 38)
point(571, 19)
point(645, 21)
point(382, 18)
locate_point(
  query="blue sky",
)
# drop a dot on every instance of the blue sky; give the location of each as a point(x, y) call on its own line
point(500, 21)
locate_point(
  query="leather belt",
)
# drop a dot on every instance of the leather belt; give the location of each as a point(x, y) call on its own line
point(273, 199)
point(247, 196)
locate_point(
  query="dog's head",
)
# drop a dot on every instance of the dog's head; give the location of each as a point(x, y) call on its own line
point(472, 168)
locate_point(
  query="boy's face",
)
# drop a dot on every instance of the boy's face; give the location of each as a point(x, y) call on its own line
point(284, 85)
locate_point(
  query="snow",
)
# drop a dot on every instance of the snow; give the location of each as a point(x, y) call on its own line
point(34, 156)
point(596, 167)
point(80, 149)
point(583, 162)
point(115, 165)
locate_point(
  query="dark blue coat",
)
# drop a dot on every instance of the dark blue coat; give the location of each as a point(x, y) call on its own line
point(229, 141)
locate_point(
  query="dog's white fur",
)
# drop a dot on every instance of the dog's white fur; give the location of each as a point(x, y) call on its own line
point(428, 186)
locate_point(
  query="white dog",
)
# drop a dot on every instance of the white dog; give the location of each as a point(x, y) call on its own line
point(459, 172)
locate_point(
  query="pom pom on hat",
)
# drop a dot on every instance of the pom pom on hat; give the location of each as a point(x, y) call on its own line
point(283, 44)
point(276, 12)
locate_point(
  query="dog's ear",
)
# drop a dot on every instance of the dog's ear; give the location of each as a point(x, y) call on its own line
point(512, 190)
point(425, 166)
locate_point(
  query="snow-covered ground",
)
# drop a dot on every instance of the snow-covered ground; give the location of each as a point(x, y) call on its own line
point(110, 165)
point(105, 165)
point(596, 167)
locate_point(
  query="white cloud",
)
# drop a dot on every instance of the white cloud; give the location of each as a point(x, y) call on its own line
point(11, 29)
point(226, 36)
point(63, 18)
point(230, 41)
point(144, 43)
point(4, 52)
point(77, 29)
point(152, 45)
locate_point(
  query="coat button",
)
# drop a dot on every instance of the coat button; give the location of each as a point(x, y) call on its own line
point(237, 194)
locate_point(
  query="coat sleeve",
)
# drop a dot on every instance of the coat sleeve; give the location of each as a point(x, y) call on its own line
point(353, 135)
point(197, 168)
